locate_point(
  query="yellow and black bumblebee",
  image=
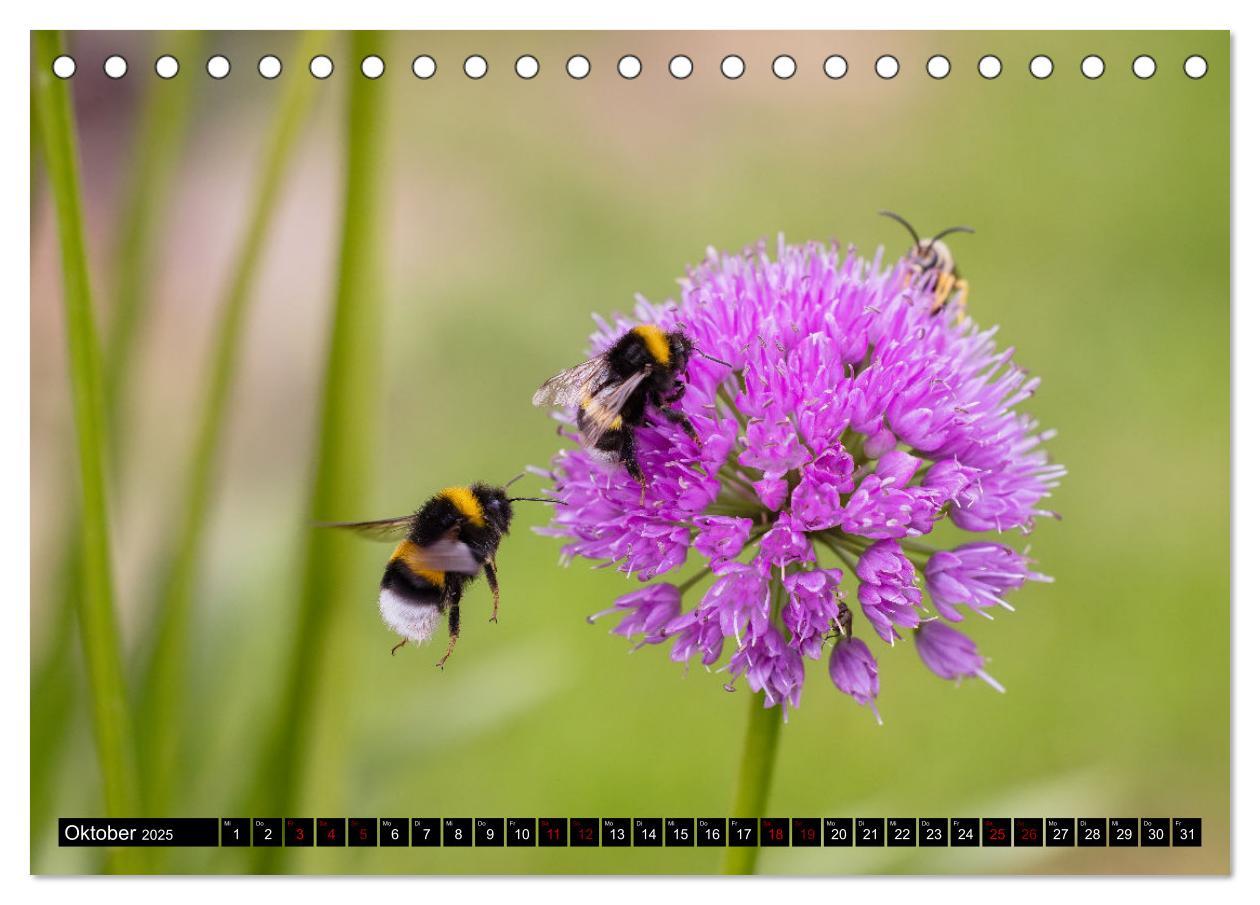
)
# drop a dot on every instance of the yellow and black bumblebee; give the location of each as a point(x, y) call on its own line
point(441, 548)
point(612, 391)
point(932, 263)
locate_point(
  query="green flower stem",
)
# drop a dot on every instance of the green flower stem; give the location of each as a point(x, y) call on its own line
point(343, 459)
point(752, 786)
point(111, 718)
point(163, 684)
point(693, 581)
point(829, 542)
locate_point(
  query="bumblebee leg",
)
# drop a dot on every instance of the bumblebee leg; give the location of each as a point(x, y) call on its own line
point(393, 650)
point(673, 416)
point(631, 461)
point(492, 579)
point(453, 625)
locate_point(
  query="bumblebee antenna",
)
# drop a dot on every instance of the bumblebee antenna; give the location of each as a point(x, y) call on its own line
point(952, 229)
point(711, 358)
point(514, 480)
point(533, 499)
point(904, 222)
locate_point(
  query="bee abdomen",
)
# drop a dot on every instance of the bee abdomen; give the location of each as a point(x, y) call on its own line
point(592, 411)
point(411, 602)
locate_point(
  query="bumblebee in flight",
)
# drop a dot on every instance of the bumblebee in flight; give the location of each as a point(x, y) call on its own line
point(441, 548)
point(932, 261)
point(612, 392)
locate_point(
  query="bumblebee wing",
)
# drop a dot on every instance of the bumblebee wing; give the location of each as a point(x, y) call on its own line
point(568, 387)
point(384, 529)
point(602, 410)
point(450, 554)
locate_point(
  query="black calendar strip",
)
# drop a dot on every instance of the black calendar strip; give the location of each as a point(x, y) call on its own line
point(636, 832)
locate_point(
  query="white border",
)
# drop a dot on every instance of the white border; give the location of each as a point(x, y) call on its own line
point(574, 14)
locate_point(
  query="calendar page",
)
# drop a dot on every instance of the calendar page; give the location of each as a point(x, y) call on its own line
point(800, 453)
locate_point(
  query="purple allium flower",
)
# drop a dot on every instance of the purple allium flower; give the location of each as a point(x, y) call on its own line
point(975, 575)
point(850, 421)
point(649, 610)
point(950, 654)
point(887, 589)
point(772, 667)
point(812, 608)
point(853, 670)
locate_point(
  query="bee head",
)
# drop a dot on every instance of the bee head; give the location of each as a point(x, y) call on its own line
point(932, 254)
point(496, 505)
point(929, 254)
point(680, 349)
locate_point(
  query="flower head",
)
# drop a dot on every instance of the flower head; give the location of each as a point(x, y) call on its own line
point(852, 417)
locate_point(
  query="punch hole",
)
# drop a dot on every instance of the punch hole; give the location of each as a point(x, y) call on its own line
point(527, 66)
point(990, 66)
point(166, 66)
point(115, 66)
point(1144, 66)
point(835, 66)
point(1195, 66)
point(64, 66)
point(680, 66)
point(1041, 66)
point(372, 66)
point(424, 66)
point(784, 66)
point(321, 66)
point(270, 67)
point(218, 66)
point(887, 66)
point(732, 66)
point(629, 66)
point(938, 66)
point(1092, 67)
point(475, 67)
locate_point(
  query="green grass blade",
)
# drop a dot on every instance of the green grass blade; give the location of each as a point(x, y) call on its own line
point(158, 139)
point(346, 434)
point(159, 136)
point(164, 682)
point(111, 719)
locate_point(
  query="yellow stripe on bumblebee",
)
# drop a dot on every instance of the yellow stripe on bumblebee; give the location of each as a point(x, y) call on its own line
point(657, 343)
point(412, 557)
point(468, 505)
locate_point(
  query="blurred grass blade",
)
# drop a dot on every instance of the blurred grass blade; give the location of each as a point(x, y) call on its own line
point(163, 682)
point(111, 720)
point(343, 462)
point(159, 136)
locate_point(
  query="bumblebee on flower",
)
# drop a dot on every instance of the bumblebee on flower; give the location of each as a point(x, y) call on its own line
point(830, 423)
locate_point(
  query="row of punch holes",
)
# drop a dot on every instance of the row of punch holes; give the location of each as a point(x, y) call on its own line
point(629, 66)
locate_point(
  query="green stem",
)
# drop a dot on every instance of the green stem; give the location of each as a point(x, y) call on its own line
point(343, 459)
point(693, 581)
point(752, 786)
point(154, 150)
point(164, 682)
point(111, 718)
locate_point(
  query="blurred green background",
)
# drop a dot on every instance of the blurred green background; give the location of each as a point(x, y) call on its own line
point(511, 211)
